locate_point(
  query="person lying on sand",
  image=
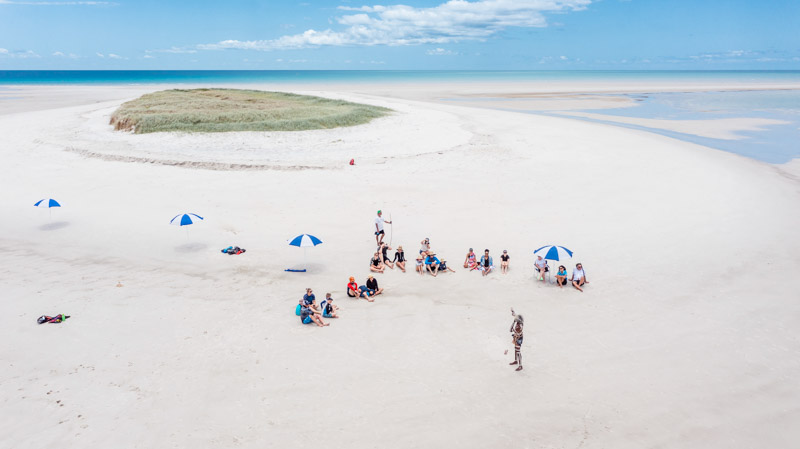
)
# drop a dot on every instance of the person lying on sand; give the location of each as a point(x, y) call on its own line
point(372, 285)
point(486, 264)
point(400, 259)
point(328, 309)
point(432, 263)
point(471, 261)
point(561, 276)
point(541, 267)
point(384, 257)
point(578, 277)
point(375, 264)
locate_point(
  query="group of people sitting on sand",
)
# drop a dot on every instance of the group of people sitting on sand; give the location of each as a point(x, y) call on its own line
point(486, 264)
point(367, 291)
point(309, 312)
point(578, 278)
point(381, 261)
point(427, 262)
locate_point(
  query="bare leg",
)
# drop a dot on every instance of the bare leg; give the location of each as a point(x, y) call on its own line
point(576, 285)
point(402, 266)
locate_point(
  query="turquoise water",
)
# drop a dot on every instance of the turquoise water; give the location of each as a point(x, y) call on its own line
point(775, 144)
point(17, 77)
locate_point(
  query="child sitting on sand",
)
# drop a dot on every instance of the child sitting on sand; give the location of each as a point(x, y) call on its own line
point(328, 309)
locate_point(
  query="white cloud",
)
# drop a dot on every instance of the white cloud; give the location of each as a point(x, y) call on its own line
point(100, 55)
point(19, 54)
point(173, 50)
point(440, 52)
point(453, 21)
point(58, 53)
point(149, 57)
point(113, 56)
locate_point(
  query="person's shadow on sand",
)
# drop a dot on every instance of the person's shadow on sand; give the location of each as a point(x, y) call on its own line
point(191, 247)
point(54, 226)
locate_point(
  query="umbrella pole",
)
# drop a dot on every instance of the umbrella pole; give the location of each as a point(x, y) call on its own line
point(305, 265)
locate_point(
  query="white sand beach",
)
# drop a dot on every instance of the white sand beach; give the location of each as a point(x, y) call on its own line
point(687, 336)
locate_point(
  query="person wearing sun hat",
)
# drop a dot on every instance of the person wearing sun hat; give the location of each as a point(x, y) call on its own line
point(379, 233)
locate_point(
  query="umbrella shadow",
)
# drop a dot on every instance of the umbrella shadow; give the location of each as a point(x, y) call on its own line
point(54, 226)
point(191, 247)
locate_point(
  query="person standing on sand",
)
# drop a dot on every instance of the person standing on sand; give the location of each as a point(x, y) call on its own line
point(379, 221)
point(516, 337)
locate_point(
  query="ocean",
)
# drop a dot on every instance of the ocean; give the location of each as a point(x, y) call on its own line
point(773, 144)
point(326, 76)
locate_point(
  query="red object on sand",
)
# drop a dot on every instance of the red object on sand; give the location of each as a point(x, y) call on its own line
point(352, 162)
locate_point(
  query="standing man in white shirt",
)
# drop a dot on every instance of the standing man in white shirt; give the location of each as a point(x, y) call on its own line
point(379, 221)
point(578, 277)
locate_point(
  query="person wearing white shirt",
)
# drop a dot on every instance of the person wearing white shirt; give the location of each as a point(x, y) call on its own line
point(578, 277)
point(541, 267)
point(379, 221)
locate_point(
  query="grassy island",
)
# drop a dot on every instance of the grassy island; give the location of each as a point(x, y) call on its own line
point(222, 110)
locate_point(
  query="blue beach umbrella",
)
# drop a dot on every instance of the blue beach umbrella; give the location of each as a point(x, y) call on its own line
point(47, 203)
point(303, 241)
point(185, 219)
point(553, 252)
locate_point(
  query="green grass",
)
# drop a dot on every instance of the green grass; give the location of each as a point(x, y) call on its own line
point(223, 110)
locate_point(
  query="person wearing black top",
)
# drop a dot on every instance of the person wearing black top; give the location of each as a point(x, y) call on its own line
point(504, 262)
point(384, 257)
point(372, 284)
point(400, 259)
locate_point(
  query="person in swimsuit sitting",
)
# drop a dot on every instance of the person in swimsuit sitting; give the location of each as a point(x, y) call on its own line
point(561, 276)
point(486, 265)
point(328, 309)
point(471, 261)
point(400, 259)
point(375, 264)
point(420, 265)
point(541, 267)
point(504, 262)
point(578, 277)
point(372, 285)
point(384, 257)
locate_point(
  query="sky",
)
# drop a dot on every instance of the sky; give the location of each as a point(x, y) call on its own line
point(403, 35)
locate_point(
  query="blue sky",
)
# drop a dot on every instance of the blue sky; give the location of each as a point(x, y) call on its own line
point(412, 34)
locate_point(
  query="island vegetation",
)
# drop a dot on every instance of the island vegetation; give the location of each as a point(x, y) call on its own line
point(225, 110)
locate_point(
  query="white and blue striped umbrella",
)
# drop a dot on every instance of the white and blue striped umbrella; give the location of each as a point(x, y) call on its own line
point(185, 219)
point(305, 240)
point(552, 252)
point(47, 203)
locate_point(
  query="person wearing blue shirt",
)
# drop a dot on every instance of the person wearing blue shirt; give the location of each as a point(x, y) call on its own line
point(432, 264)
point(487, 264)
